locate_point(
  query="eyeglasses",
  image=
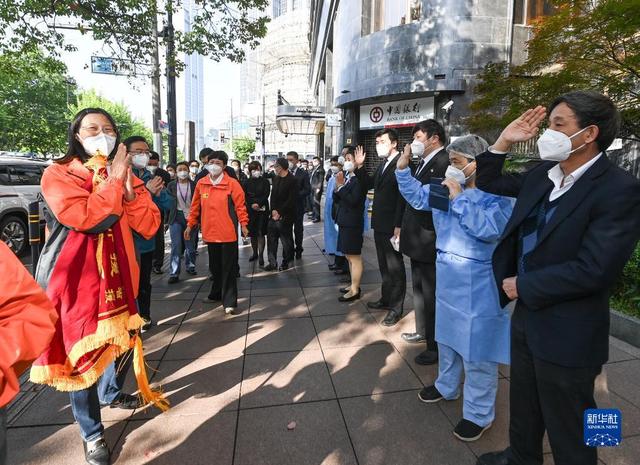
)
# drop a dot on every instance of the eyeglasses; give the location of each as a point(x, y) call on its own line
point(95, 130)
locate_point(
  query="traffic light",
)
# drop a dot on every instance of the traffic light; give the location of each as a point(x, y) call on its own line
point(258, 134)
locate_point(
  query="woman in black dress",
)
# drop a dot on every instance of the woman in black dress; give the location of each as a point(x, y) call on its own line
point(350, 197)
point(257, 189)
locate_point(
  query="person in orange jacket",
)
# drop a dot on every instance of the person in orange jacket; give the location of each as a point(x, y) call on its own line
point(89, 270)
point(27, 324)
point(218, 205)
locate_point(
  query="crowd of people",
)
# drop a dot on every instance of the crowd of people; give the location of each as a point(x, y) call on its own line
point(507, 267)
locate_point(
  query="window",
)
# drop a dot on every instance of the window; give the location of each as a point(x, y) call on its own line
point(527, 11)
point(383, 14)
point(279, 8)
point(25, 175)
point(4, 175)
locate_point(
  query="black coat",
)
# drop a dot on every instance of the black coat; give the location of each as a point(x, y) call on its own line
point(563, 302)
point(284, 197)
point(317, 179)
point(418, 237)
point(350, 201)
point(304, 187)
point(257, 190)
point(388, 204)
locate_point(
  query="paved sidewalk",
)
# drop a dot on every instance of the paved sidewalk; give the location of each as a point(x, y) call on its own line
point(294, 357)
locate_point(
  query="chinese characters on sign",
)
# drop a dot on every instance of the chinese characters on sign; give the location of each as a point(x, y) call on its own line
point(401, 113)
point(602, 427)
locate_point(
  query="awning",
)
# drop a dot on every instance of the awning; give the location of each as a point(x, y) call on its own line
point(300, 120)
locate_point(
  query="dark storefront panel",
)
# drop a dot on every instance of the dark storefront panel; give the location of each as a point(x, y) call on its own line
point(368, 140)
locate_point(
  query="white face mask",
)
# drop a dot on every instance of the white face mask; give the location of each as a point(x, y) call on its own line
point(152, 169)
point(349, 166)
point(417, 148)
point(193, 169)
point(183, 174)
point(102, 143)
point(382, 150)
point(292, 166)
point(334, 169)
point(140, 160)
point(256, 174)
point(214, 169)
point(457, 174)
point(556, 146)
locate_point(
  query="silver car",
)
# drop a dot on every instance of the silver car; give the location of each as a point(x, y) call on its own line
point(19, 186)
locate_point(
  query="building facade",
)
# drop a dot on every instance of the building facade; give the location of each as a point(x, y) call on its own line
point(280, 62)
point(392, 63)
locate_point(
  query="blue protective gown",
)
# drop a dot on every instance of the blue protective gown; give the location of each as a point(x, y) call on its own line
point(469, 318)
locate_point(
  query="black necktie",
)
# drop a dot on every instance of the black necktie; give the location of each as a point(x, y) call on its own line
point(422, 165)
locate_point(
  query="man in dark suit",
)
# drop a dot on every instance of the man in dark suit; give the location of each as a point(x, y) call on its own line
point(574, 225)
point(304, 188)
point(284, 199)
point(418, 238)
point(386, 220)
point(317, 186)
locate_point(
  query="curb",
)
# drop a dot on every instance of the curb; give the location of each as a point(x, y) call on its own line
point(625, 328)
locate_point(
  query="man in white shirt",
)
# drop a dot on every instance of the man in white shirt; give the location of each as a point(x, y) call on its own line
point(575, 223)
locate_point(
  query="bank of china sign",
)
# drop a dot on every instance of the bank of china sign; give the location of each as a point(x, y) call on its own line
point(393, 114)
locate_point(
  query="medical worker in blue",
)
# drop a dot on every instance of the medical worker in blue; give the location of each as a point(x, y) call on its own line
point(330, 226)
point(472, 330)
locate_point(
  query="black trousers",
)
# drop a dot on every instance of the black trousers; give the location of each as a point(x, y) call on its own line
point(144, 286)
point(394, 277)
point(545, 396)
point(423, 276)
point(298, 228)
point(317, 199)
point(158, 253)
point(279, 230)
point(223, 261)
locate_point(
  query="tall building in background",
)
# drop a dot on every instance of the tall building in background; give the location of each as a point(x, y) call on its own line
point(193, 76)
point(280, 62)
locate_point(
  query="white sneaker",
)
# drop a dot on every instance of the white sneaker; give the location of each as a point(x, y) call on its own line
point(229, 310)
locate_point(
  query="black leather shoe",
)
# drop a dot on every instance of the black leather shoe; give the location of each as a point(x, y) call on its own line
point(345, 290)
point(157, 270)
point(173, 279)
point(126, 402)
point(428, 357)
point(391, 319)
point(270, 267)
point(377, 305)
point(97, 453)
point(284, 266)
point(494, 458)
point(349, 299)
point(253, 258)
point(413, 338)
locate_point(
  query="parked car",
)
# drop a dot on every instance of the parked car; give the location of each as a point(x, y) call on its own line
point(19, 186)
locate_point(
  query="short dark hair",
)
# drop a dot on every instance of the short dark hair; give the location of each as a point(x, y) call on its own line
point(129, 141)
point(235, 161)
point(317, 158)
point(74, 146)
point(171, 165)
point(254, 165)
point(194, 161)
point(294, 155)
point(154, 155)
point(350, 149)
point(218, 155)
point(304, 160)
point(593, 108)
point(431, 128)
point(334, 159)
point(204, 153)
point(180, 163)
point(393, 135)
point(283, 163)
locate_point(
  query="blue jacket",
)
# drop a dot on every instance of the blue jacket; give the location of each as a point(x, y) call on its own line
point(469, 317)
point(164, 201)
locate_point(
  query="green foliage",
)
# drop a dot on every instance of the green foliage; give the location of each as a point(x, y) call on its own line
point(242, 148)
point(33, 102)
point(219, 30)
point(127, 124)
point(626, 294)
point(583, 45)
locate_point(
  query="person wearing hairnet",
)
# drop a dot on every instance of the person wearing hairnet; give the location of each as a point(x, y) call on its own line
point(472, 330)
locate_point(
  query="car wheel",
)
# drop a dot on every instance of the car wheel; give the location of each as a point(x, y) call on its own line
point(13, 232)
